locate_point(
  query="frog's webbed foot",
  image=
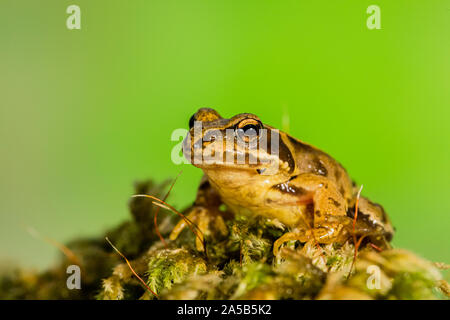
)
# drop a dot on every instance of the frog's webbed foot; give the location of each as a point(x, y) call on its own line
point(326, 234)
point(362, 228)
point(288, 236)
point(204, 223)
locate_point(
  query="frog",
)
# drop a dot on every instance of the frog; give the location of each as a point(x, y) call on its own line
point(295, 184)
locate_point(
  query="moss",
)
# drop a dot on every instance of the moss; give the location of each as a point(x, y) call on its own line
point(251, 276)
point(95, 264)
point(239, 265)
point(391, 274)
point(167, 267)
point(412, 286)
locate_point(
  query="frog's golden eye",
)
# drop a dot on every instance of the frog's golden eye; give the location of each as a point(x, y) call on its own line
point(249, 124)
point(248, 129)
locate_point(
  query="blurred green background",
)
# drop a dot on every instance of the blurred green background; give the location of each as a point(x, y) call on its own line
point(85, 113)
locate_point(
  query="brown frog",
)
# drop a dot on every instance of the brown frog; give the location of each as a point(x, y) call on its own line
point(256, 169)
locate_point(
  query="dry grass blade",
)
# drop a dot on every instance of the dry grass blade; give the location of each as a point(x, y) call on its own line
point(64, 249)
point(155, 218)
point(356, 243)
point(131, 268)
point(165, 205)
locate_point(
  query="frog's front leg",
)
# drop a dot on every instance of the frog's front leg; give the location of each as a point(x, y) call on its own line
point(327, 202)
point(205, 214)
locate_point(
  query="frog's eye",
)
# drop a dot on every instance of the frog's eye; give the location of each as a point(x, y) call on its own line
point(249, 126)
point(248, 129)
point(191, 121)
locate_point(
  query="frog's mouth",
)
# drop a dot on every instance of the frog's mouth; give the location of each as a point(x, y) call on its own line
point(206, 159)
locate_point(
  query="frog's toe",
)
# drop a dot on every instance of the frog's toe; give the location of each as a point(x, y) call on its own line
point(325, 235)
point(204, 223)
point(288, 236)
point(210, 225)
point(190, 218)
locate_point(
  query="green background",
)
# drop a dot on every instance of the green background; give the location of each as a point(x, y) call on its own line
point(84, 113)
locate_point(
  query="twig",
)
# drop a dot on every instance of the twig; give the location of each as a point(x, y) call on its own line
point(131, 268)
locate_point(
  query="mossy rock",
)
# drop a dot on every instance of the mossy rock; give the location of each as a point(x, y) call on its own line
point(238, 266)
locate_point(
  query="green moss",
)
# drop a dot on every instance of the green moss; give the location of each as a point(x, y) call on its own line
point(240, 265)
point(252, 276)
point(412, 286)
point(170, 266)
